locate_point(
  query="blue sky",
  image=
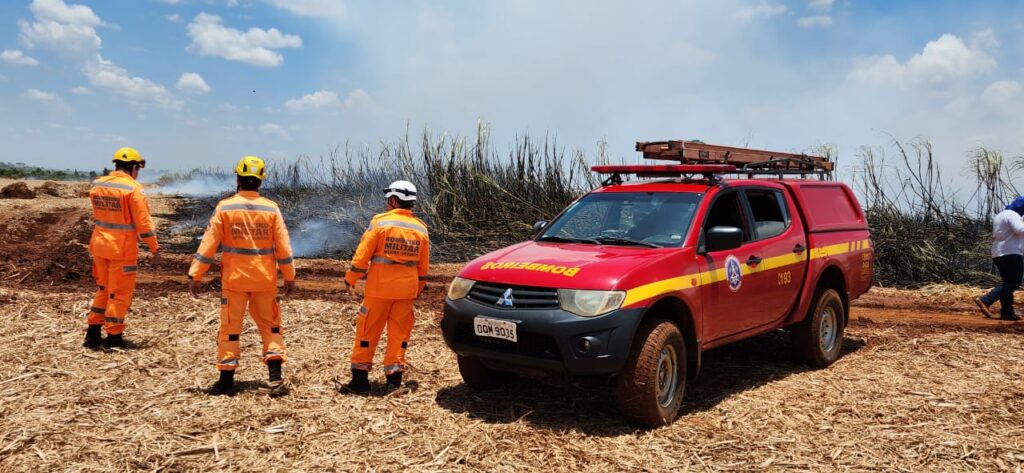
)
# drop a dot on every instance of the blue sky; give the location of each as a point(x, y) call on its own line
point(203, 82)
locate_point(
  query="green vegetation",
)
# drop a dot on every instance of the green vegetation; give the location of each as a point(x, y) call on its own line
point(24, 171)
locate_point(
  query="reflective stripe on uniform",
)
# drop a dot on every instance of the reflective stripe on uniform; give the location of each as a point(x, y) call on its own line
point(287, 260)
point(258, 208)
point(113, 185)
point(392, 369)
point(362, 366)
point(354, 269)
point(203, 259)
point(113, 320)
point(247, 251)
point(400, 224)
point(273, 353)
point(229, 362)
point(115, 226)
point(98, 310)
point(383, 260)
point(131, 269)
point(147, 235)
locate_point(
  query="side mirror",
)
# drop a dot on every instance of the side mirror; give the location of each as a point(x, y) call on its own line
point(723, 238)
point(539, 226)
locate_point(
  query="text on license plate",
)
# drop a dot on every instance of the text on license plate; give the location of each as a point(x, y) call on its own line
point(495, 328)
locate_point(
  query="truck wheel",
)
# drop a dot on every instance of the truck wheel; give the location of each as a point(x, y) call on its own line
point(818, 340)
point(478, 376)
point(650, 386)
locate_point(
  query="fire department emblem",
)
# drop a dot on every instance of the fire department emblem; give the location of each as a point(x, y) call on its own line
point(506, 299)
point(733, 273)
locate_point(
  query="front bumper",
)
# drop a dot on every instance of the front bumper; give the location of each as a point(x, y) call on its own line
point(550, 340)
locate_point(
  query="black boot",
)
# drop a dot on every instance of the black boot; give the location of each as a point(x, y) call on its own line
point(93, 337)
point(276, 379)
point(360, 383)
point(394, 381)
point(225, 386)
point(114, 341)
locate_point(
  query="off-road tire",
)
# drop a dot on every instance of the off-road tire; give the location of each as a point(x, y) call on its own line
point(811, 340)
point(479, 377)
point(637, 385)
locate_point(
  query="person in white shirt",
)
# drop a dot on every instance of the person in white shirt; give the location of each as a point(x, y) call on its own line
point(1007, 241)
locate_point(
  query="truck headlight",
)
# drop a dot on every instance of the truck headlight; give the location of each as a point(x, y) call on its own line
point(459, 288)
point(590, 303)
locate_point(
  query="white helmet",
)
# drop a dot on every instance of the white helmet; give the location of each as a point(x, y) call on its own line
point(404, 190)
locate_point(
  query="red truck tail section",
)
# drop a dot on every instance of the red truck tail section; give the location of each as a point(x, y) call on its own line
point(837, 233)
point(828, 206)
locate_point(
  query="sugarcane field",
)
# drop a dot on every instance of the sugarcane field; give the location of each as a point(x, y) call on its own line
point(485, 236)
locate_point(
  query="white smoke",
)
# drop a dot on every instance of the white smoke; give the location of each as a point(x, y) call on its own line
point(318, 237)
point(197, 186)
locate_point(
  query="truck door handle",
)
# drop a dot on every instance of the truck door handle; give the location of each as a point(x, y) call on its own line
point(753, 261)
point(798, 248)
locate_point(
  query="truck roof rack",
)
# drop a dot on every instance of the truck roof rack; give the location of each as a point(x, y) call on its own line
point(747, 161)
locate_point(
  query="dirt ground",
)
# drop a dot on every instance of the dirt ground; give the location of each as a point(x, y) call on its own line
point(924, 384)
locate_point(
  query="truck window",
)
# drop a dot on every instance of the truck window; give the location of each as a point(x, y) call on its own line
point(727, 212)
point(768, 209)
point(660, 218)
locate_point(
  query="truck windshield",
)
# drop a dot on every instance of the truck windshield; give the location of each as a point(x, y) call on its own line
point(652, 219)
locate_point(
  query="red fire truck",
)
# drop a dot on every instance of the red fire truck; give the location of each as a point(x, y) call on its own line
point(637, 279)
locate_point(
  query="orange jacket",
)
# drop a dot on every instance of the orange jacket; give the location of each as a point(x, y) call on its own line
point(250, 233)
point(394, 254)
point(121, 217)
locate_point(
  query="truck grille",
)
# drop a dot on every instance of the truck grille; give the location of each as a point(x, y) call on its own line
point(530, 344)
point(522, 297)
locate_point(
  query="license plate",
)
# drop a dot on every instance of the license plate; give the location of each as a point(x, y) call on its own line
point(495, 328)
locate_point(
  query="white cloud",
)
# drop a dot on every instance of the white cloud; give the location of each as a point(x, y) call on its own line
point(333, 9)
point(68, 39)
point(985, 39)
point(60, 12)
point(70, 30)
point(273, 129)
point(211, 38)
point(942, 61)
point(173, 18)
point(15, 56)
point(42, 96)
point(817, 21)
point(1000, 92)
point(764, 9)
point(357, 98)
point(80, 90)
point(116, 80)
point(193, 83)
point(821, 5)
point(318, 99)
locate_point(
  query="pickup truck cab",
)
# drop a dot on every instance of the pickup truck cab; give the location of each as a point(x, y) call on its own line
point(637, 279)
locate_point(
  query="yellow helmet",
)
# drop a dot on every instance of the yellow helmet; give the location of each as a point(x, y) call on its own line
point(129, 155)
point(251, 166)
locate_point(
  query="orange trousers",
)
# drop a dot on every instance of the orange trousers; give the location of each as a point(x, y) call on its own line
point(265, 309)
point(113, 299)
point(373, 316)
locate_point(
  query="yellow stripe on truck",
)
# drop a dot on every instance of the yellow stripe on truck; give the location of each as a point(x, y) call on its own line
point(689, 281)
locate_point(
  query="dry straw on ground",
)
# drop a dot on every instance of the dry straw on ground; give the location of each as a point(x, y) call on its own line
point(903, 398)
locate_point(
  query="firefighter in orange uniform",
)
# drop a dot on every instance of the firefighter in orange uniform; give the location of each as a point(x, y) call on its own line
point(122, 218)
point(254, 244)
point(394, 255)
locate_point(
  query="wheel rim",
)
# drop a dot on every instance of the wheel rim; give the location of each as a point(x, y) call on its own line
point(829, 329)
point(668, 375)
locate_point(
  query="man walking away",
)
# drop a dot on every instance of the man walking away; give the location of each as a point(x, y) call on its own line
point(121, 217)
point(1007, 238)
point(253, 239)
point(394, 255)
